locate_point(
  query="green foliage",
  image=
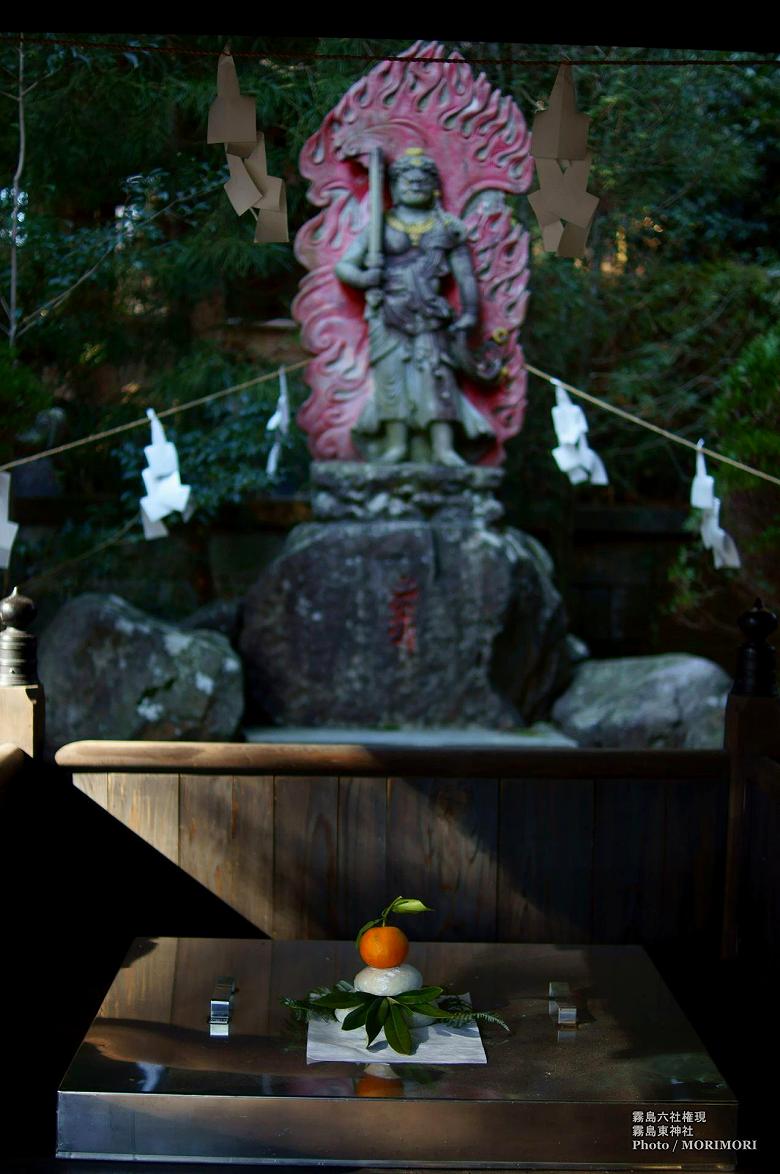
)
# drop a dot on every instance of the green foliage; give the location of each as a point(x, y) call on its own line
point(127, 235)
point(223, 446)
point(681, 270)
point(22, 396)
point(393, 1012)
point(743, 421)
point(461, 1012)
point(746, 414)
point(657, 346)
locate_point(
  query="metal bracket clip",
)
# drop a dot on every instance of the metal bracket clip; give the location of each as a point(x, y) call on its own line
point(561, 1006)
point(221, 1005)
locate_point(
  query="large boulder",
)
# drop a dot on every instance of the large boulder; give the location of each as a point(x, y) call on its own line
point(653, 702)
point(411, 622)
point(112, 671)
point(533, 657)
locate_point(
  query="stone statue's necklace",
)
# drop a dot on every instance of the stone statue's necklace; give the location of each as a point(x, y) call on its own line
point(416, 230)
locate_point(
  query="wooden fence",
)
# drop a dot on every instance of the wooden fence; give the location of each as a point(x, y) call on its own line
point(753, 886)
point(548, 845)
point(542, 845)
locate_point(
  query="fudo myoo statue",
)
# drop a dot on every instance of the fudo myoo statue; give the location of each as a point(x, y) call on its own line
point(411, 304)
point(417, 271)
point(415, 334)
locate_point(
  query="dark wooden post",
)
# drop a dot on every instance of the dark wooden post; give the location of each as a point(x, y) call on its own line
point(21, 693)
point(752, 732)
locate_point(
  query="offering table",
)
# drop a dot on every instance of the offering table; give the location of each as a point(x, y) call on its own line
point(600, 1070)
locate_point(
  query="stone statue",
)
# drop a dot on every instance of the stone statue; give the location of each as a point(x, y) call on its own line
point(411, 310)
point(405, 601)
point(415, 335)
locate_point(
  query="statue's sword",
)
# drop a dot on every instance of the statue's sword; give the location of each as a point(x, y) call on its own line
point(376, 212)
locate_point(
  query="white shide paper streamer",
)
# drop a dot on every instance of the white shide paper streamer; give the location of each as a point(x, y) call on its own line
point(279, 424)
point(574, 456)
point(165, 493)
point(714, 537)
point(8, 529)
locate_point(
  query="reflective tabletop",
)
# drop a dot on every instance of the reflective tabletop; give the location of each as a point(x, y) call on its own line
point(153, 1079)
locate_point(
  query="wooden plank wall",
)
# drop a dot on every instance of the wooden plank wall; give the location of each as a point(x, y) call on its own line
point(759, 905)
point(507, 859)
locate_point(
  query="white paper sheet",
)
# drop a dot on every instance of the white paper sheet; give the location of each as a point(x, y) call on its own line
point(438, 1044)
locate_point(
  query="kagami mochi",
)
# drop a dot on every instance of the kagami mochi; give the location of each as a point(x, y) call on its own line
point(384, 947)
point(386, 999)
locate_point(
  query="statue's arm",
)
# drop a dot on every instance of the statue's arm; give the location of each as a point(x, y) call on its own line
point(350, 269)
point(463, 272)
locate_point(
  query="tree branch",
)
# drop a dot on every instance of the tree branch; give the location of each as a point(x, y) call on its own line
point(16, 205)
point(11, 306)
point(34, 318)
point(53, 303)
point(45, 78)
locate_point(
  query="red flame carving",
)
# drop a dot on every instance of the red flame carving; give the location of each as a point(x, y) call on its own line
point(480, 144)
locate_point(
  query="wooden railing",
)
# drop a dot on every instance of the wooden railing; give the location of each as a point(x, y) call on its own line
point(322, 758)
point(537, 845)
point(12, 759)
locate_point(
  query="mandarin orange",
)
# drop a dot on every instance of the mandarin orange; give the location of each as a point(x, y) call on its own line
point(383, 946)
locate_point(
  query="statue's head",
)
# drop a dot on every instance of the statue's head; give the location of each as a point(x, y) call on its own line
point(414, 178)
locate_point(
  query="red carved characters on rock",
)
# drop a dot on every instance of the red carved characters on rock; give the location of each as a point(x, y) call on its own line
point(402, 626)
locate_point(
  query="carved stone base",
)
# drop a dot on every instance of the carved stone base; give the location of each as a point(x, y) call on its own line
point(358, 491)
point(408, 623)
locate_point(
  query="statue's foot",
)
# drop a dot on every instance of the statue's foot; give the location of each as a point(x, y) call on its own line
point(449, 458)
point(443, 452)
point(393, 455)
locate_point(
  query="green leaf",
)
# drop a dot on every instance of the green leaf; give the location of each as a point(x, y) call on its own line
point(375, 1020)
point(489, 1017)
point(397, 1030)
point(430, 1009)
point(408, 905)
point(363, 928)
point(305, 1010)
point(456, 1005)
point(461, 1018)
point(425, 994)
point(357, 1018)
point(460, 1013)
point(340, 1000)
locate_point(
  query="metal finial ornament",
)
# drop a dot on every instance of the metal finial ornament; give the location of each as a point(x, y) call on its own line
point(755, 675)
point(18, 647)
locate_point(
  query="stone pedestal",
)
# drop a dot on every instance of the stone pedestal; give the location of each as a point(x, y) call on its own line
point(404, 604)
point(344, 491)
